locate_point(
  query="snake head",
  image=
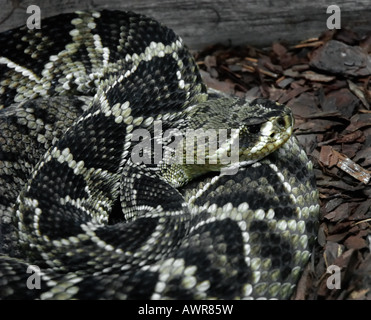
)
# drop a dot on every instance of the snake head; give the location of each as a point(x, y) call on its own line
point(264, 127)
point(243, 132)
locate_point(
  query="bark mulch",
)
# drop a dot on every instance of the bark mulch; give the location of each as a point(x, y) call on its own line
point(326, 82)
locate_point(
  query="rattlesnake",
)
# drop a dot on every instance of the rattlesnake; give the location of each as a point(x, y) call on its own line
point(92, 221)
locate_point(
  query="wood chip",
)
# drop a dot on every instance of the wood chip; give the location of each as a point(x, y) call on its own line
point(355, 242)
point(359, 93)
point(314, 76)
point(340, 58)
point(330, 157)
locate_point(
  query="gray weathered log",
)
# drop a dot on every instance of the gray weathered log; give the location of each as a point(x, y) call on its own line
point(206, 22)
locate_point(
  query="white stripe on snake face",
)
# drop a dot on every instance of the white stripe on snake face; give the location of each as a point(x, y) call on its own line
point(266, 129)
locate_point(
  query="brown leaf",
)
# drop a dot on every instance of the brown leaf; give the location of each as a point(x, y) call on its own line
point(340, 58)
point(330, 157)
point(279, 49)
point(364, 155)
point(359, 92)
point(332, 251)
point(304, 106)
point(283, 82)
point(351, 149)
point(355, 242)
point(361, 210)
point(359, 121)
point(337, 237)
point(351, 137)
point(340, 213)
point(313, 76)
point(292, 94)
point(223, 86)
point(342, 100)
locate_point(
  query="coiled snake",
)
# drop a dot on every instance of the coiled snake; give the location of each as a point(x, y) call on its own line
point(91, 194)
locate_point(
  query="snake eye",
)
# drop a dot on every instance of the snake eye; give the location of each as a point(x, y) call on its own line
point(254, 128)
point(281, 122)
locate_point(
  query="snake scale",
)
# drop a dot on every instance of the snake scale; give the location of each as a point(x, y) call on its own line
point(95, 223)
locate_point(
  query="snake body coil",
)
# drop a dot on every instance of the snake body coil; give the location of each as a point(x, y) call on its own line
point(94, 222)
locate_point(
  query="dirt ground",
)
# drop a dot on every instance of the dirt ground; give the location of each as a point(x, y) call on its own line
point(326, 82)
